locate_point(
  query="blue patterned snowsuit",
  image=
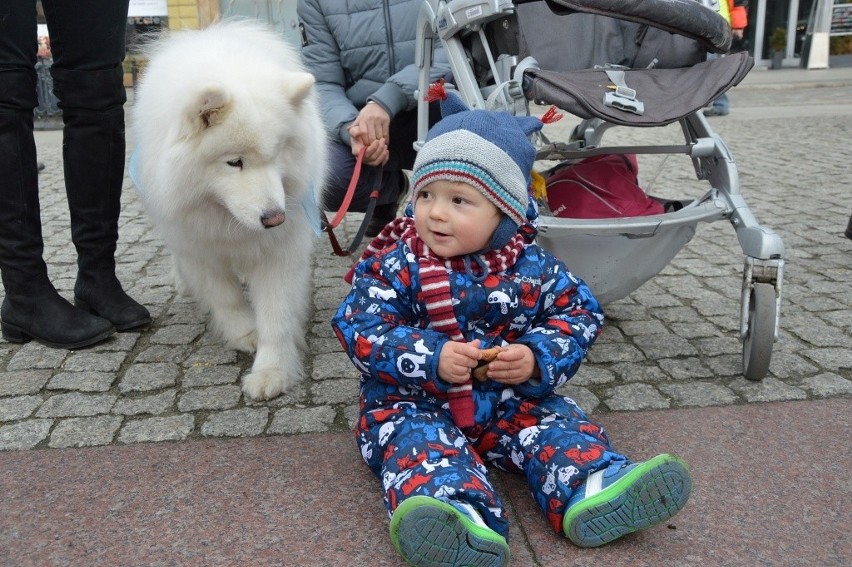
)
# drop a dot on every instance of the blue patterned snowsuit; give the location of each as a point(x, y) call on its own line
point(405, 431)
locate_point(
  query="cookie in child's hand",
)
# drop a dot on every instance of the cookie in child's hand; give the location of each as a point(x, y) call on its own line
point(481, 370)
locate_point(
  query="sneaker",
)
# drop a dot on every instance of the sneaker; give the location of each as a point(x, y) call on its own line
point(712, 111)
point(430, 532)
point(623, 498)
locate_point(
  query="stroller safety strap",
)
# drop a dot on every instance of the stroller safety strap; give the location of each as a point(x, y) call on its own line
point(667, 94)
point(623, 97)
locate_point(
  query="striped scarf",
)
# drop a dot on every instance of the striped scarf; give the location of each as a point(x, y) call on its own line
point(435, 286)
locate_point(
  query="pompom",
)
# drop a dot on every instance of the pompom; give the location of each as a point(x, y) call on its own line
point(436, 91)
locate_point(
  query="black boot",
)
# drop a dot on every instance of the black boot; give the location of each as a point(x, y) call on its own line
point(32, 309)
point(93, 157)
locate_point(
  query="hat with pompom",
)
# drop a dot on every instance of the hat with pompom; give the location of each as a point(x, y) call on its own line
point(488, 150)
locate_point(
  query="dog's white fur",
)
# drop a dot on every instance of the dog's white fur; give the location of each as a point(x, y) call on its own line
point(228, 132)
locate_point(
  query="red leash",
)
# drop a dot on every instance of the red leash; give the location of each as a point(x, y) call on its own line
point(344, 208)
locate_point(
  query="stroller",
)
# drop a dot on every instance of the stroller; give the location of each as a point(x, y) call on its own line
point(647, 67)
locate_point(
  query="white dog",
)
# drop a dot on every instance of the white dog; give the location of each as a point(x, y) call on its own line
point(229, 162)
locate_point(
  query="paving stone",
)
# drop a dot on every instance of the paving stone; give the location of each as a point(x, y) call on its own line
point(642, 372)
point(177, 334)
point(685, 368)
point(350, 414)
point(589, 374)
point(335, 391)
point(827, 384)
point(207, 356)
point(24, 435)
point(769, 389)
point(243, 422)
point(634, 397)
point(21, 382)
point(168, 428)
point(85, 381)
point(698, 394)
point(153, 404)
point(333, 365)
point(583, 397)
point(99, 361)
point(719, 345)
point(121, 342)
point(85, 431)
point(163, 353)
point(664, 346)
point(831, 358)
point(18, 407)
point(210, 398)
point(602, 353)
point(33, 356)
point(76, 404)
point(694, 330)
point(201, 375)
point(786, 365)
point(147, 377)
point(302, 420)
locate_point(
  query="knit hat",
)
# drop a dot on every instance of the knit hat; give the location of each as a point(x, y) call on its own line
point(488, 150)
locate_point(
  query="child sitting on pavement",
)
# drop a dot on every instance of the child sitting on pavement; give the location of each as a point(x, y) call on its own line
point(433, 292)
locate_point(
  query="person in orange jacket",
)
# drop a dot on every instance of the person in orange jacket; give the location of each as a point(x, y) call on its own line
point(736, 12)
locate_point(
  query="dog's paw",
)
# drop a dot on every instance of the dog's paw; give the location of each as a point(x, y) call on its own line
point(246, 343)
point(266, 383)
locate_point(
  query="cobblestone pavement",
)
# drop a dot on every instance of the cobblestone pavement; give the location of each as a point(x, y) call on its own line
point(672, 343)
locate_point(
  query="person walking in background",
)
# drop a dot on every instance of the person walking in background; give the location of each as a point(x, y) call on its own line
point(736, 13)
point(362, 57)
point(88, 44)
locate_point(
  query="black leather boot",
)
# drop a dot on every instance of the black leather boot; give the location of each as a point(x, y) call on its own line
point(32, 308)
point(93, 157)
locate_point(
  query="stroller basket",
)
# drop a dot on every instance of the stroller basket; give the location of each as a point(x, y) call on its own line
point(616, 62)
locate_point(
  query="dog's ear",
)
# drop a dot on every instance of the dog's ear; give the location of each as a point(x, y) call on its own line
point(298, 86)
point(209, 106)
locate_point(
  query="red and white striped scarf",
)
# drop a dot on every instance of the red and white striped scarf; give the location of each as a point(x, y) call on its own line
point(435, 286)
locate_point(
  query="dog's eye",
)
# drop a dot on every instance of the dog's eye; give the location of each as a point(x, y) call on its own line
point(236, 163)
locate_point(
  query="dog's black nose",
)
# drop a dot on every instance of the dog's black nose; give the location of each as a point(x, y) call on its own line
point(272, 218)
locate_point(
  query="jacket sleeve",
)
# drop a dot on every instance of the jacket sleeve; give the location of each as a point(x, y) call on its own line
point(569, 322)
point(397, 94)
point(377, 326)
point(739, 15)
point(321, 57)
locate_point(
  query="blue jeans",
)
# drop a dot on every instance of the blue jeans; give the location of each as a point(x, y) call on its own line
point(722, 104)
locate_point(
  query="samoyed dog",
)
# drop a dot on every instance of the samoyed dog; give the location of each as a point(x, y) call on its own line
point(229, 161)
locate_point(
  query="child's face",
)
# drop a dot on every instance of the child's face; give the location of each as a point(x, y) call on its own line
point(454, 219)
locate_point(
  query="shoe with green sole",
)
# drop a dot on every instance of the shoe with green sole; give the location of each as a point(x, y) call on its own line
point(428, 532)
point(625, 498)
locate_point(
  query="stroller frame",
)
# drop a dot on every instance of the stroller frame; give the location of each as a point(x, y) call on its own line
point(595, 243)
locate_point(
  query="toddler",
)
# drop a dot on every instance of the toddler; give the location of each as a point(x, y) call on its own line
point(430, 294)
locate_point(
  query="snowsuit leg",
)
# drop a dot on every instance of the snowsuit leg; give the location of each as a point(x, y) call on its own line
point(553, 443)
point(413, 451)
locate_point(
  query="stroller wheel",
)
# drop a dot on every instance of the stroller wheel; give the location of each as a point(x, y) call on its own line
point(757, 345)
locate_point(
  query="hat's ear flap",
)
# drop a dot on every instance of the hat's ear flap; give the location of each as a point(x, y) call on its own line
point(452, 104)
point(529, 124)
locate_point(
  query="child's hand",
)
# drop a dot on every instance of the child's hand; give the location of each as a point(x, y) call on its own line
point(457, 360)
point(515, 365)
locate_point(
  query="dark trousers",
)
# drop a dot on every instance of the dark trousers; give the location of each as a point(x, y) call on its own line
point(389, 179)
point(88, 45)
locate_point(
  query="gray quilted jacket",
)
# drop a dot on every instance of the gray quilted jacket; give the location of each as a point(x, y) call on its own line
point(362, 50)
